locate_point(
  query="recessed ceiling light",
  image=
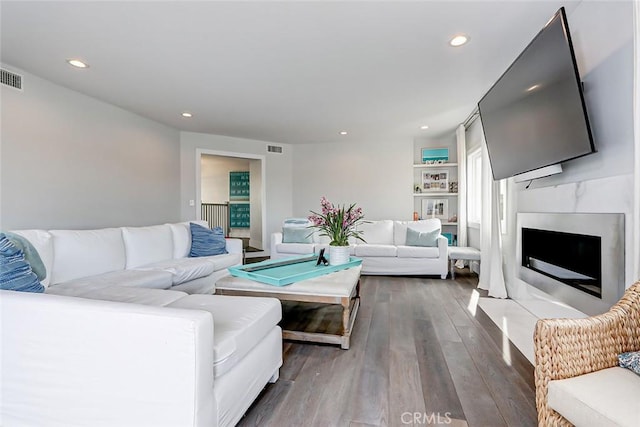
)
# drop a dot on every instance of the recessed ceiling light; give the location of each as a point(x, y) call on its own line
point(187, 114)
point(425, 127)
point(344, 132)
point(459, 40)
point(534, 87)
point(77, 63)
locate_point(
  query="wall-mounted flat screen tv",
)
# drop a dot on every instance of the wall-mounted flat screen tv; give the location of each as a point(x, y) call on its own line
point(535, 115)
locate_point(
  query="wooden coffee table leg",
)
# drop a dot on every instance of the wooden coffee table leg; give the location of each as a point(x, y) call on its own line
point(349, 314)
point(346, 315)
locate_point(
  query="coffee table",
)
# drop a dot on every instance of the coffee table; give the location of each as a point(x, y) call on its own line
point(341, 288)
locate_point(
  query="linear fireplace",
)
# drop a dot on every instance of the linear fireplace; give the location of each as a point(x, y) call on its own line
point(578, 258)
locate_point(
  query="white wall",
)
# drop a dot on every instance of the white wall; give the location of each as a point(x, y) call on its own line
point(377, 176)
point(71, 161)
point(255, 178)
point(278, 176)
point(601, 182)
point(214, 171)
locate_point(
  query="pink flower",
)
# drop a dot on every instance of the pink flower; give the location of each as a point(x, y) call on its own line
point(337, 222)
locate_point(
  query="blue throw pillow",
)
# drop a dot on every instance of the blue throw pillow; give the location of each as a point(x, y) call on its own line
point(630, 360)
point(15, 272)
point(205, 242)
point(31, 255)
point(422, 238)
point(296, 235)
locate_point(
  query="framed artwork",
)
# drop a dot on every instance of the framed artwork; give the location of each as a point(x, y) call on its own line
point(239, 185)
point(239, 215)
point(435, 180)
point(435, 155)
point(435, 208)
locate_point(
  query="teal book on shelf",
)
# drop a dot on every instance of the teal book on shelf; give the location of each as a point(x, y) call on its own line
point(431, 155)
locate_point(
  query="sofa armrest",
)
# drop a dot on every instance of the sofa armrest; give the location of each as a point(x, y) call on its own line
point(75, 361)
point(234, 246)
point(276, 239)
point(566, 348)
point(443, 245)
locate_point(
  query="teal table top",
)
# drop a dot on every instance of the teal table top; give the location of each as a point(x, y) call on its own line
point(282, 272)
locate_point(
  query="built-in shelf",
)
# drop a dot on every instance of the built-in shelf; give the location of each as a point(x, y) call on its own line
point(434, 193)
point(436, 165)
point(449, 223)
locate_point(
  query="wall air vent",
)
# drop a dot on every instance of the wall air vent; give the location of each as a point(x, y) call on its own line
point(10, 79)
point(274, 149)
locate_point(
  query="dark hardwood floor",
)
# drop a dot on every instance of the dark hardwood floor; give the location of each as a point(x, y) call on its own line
point(418, 356)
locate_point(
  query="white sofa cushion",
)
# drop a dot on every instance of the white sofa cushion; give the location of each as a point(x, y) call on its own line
point(295, 248)
point(155, 297)
point(239, 324)
point(82, 253)
point(376, 250)
point(130, 278)
point(181, 234)
point(42, 241)
point(418, 252)
point(377, 232)
point(181, 239)
point(183, 269)
point(146, 245)
point(224, 261)
point(322, 240)
point(605, 397)
point(400, 228)
point(317, 248)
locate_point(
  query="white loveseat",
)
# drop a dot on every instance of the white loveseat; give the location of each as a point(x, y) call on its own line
point(157, 257)
point(102, 347)
point(385, 251)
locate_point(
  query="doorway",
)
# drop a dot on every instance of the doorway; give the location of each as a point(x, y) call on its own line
point(230, 189)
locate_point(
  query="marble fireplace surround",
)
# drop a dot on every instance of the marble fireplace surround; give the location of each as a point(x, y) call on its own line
point(610, 227)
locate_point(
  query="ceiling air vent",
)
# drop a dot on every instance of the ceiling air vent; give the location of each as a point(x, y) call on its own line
point(274, 149)
point(10, 79)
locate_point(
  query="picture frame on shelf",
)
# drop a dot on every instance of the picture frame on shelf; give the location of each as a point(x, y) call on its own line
point(432, 156)
point(435, 208)
point(436, 180)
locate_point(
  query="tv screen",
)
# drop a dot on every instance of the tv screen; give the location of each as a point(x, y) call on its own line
point(534, 115)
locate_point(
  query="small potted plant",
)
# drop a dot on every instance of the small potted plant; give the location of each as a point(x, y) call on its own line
point(338, 223)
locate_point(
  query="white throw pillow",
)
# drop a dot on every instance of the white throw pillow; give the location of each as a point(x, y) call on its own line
point(377, 232)
point(146, 245)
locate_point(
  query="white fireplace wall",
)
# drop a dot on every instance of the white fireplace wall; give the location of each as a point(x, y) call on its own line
point(603, 182)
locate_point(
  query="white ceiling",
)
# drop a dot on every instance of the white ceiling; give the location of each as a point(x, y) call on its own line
point(291, 72)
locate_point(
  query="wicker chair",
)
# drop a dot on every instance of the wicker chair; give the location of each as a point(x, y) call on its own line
point(566, 348)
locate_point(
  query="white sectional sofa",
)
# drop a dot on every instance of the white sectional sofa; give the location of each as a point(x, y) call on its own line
point(108, 345)
point(148, 257)
point(385, 251)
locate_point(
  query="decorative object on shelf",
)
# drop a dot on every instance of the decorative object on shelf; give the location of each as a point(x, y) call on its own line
point(453, 187)
point(449, 237)
point(453, 219)
point(417, 189)
point(339, 224)
point(415, 216)
point(435, 180)
point(435, 155)
point(435, 208)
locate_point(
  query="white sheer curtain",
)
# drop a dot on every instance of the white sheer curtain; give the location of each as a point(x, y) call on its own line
point(491, 270)
point(462, 189)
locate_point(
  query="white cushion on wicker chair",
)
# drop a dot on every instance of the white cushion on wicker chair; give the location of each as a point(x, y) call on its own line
point(603, 398)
